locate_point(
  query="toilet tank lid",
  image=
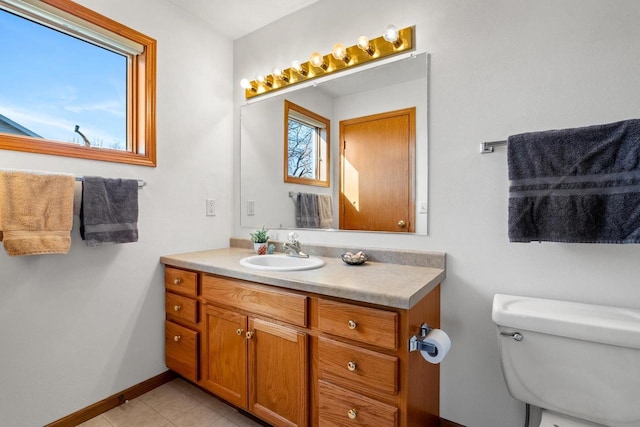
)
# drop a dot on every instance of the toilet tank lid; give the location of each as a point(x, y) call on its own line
point(589, 322)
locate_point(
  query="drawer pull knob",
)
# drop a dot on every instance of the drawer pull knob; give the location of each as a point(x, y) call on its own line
point(177, 338)
point(239, 331)
point(176, 308)
point(249, 334)
point(351, 366)
point(352, 414)
point(177, 281)
point(351, 324)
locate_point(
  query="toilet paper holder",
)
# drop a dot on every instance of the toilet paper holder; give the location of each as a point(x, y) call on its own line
point(417, 343)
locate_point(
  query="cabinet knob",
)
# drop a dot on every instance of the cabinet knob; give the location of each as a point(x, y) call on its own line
point(249, 334)
point(401, 224)
point(177, 338)
point(239, 331)
point(351, 324)
point(352, 414)
point(176, 308)
point(177, 281)
point(351, 366)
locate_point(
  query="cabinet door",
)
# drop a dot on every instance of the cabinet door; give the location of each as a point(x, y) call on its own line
point(278, 372)
point(225, 355)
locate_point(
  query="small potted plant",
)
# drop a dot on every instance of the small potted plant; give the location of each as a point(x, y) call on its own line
point(260, 239)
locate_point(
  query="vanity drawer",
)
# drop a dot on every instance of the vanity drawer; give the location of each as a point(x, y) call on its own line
point(181, 350)
point(341, 408)
point(181, 308)
point(280, 305)
point(363, 324)
point(357, 368)
point(181, 281)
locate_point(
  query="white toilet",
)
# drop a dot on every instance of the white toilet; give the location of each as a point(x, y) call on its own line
point(580, 363)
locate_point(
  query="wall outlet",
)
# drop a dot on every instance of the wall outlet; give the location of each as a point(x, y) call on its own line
point(251, 207)
point(211, 207)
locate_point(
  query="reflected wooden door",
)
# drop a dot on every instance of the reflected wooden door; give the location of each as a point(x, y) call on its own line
point(377, 172)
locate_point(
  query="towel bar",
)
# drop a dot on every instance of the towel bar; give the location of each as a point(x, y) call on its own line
point(487, 147)
point(141, 183)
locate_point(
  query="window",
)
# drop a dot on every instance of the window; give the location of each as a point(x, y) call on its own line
point(306, 146)
point(75, 83)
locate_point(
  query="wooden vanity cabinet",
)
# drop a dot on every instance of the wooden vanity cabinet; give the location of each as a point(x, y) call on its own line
point(250, 356)
point(182, 326)
point(364, 373)
point(300, 359)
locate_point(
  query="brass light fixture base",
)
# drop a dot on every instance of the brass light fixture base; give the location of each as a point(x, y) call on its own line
point(379, 46)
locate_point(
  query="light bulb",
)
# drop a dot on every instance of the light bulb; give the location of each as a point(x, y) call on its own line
point(279, 74)
point(317, 60)
point(264, 80)
point(391, 34)
point(340, 52)
point(299, 68)
point(246, 84)
point(363, 43)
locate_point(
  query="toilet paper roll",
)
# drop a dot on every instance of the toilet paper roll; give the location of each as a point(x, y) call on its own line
point(441, 341)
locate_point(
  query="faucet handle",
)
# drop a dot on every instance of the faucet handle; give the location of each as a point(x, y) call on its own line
point(293, 237)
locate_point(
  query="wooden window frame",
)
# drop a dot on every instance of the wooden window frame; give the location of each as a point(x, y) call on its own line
point(288, 105)
point(141, 102)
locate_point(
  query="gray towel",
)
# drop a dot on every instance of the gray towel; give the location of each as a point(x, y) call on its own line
point(109, 211)
point(307, 215)
point(576, 185)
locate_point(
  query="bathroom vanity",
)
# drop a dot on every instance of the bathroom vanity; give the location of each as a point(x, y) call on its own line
point(322, 347)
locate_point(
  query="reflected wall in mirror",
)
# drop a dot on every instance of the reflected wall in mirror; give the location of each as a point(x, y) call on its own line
point(267, 200)
point(306, 146)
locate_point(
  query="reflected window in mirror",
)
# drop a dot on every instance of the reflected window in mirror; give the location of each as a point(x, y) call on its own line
point(306, 146)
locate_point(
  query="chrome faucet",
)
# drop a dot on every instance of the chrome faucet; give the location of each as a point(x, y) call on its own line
point(292, 247)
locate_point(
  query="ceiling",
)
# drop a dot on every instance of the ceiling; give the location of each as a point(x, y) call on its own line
point(235, 18)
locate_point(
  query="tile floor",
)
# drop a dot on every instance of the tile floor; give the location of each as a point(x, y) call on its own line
point(176, 403)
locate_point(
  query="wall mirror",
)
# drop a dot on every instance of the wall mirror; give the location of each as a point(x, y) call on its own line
point(268, 199)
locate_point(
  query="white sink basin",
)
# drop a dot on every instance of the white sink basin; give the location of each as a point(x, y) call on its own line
point(281, 262)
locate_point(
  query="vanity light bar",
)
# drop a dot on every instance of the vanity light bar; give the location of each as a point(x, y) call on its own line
point(350, 57)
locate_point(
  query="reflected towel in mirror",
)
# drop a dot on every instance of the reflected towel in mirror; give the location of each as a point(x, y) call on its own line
point(307, 215)
point(325, 211)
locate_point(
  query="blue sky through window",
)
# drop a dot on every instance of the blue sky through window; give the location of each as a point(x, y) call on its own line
point(50, 82)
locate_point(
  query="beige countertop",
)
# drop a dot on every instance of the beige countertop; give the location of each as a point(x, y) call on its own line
point(386, 284)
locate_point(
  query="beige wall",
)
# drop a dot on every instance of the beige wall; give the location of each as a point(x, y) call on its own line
point(80, 327)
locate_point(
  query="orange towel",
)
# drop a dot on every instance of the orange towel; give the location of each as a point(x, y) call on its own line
point(36, 213)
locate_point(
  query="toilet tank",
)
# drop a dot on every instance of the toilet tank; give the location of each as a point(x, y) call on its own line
point(581, 360)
